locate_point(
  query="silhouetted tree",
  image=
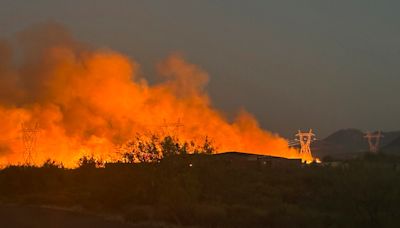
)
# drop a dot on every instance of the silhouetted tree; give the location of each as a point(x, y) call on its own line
point(51, 164)
point(169, 147)
point(152, 149)
point(88, 162)
point(208, 148)
point(143, 150)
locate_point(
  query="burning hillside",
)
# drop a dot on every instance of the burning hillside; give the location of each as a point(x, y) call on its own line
point(88, 102)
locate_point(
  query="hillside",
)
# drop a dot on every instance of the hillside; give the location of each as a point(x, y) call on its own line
point(204, 191)
point(392, 147)
point(16, 216)
point(347, 143)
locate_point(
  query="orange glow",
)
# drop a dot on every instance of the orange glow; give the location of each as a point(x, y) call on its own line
point(88, 102)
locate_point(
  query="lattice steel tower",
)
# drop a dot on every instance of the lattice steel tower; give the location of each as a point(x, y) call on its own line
point(29, 140)
point(174, 126)
point(373, 141)
point(305, 139)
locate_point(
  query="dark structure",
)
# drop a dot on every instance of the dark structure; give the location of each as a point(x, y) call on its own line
point(244, 159)
point(237, 159)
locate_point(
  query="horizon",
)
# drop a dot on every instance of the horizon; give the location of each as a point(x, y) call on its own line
point(185, 113)
point(320, 65)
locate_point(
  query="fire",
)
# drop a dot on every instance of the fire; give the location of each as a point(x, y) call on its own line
point(89, 101)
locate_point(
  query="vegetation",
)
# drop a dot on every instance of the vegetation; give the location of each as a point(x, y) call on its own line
point(153, 149)
point(202, 190)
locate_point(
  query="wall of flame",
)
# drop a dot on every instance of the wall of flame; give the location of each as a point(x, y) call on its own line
point(89, 101)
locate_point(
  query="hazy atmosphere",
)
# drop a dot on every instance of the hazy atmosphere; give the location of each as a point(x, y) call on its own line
point(167, 113)
point(293, 64)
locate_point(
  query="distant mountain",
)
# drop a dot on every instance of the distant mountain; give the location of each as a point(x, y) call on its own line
point(343, 143)
point(392, 147)
point(348, 143)
point(389, 137)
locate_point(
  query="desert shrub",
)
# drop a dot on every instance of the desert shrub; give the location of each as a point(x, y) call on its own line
point(89, 162)
point(153, 148)
point(51, 164)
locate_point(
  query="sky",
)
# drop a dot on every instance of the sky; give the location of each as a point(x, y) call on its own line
point(294, 64)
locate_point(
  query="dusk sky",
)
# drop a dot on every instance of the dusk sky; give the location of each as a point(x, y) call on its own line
point(294, 64)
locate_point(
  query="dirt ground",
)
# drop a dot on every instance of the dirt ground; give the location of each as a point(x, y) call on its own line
point(39, 217)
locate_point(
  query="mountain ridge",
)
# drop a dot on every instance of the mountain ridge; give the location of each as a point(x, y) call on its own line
point(350, 142)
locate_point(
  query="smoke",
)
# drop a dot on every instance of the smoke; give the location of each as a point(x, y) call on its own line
point(89, 101)
point(183, 79)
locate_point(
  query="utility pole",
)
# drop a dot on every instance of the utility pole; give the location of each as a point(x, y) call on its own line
point(29, 140)
point(305, 139)
point(373, 141)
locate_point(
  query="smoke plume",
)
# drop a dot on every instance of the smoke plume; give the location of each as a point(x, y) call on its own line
point(90, 101)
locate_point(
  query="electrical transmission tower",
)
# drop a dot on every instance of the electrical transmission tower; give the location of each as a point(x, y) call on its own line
point(175, 128)
point(373, 141)
point(29, 139)
point(305, 139)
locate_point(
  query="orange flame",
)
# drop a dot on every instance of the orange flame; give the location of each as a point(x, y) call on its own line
point(90, 101)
